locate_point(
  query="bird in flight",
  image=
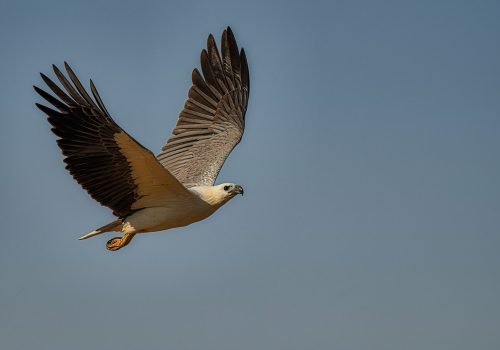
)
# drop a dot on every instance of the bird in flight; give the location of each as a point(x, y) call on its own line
point(150, 193)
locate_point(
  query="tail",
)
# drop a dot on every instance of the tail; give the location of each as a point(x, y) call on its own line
point(112, 226)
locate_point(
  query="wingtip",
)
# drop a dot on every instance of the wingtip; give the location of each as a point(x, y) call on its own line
point(47, 80)
point(67, 67)
point(56, 70)
point(210, 39)
point(50, 112)
point(43, 108)
point(38, 90)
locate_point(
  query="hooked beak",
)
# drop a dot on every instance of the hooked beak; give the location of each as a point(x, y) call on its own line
point(238, 190)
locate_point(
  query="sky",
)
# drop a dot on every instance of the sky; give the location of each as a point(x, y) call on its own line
point(370, 163)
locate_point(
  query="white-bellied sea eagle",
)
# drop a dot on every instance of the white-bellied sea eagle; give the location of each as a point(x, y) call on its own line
point(175, 188)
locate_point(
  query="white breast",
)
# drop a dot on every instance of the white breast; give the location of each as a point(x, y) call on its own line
point(178, 214)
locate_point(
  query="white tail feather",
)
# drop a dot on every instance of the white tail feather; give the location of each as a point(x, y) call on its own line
point(112, 226)
point(91, 234)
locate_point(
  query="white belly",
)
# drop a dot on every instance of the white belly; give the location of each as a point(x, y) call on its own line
point(163, 218)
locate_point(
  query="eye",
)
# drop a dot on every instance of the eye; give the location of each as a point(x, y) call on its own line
point(226, 188)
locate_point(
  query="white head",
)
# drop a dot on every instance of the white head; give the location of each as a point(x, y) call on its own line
point(230, 190)
point(218, 194)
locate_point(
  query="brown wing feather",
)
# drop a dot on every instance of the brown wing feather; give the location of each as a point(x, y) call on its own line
point(212, 121)
point(108, 163)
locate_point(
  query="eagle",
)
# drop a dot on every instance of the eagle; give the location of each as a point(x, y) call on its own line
point(175, 188)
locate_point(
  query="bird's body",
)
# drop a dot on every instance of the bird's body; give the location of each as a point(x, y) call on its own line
point(205, 200)
point(176, 188)
point(164, 218)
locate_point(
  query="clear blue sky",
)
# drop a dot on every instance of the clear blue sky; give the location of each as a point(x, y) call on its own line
point(371, 215)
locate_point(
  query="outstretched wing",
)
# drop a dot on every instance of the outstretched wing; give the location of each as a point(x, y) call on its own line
point(213, 119)
point(114, 168)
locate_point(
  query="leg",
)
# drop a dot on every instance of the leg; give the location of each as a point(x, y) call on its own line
point(120, 242)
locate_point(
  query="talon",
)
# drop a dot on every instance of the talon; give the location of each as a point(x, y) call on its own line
point(114, 244)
